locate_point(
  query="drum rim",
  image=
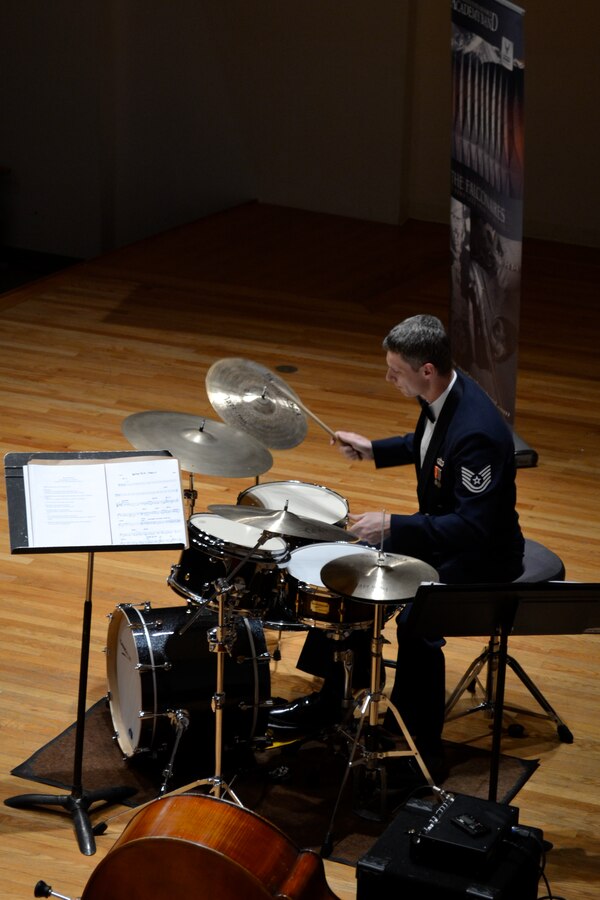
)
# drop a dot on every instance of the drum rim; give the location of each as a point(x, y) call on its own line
point(322, 487)
point(239, 551)
point(350, 549)
point(142, 722)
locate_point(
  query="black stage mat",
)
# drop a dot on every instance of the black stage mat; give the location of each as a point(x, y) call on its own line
point(294, 787)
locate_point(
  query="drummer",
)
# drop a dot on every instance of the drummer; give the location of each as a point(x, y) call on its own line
point(466, 525)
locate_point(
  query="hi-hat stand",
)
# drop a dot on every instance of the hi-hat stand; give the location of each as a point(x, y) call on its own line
point(366, 745)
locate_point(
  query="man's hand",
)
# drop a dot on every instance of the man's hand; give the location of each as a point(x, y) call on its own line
point(368, 527)
point(353, 446)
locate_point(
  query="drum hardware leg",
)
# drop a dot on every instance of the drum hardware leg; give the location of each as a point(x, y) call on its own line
point(218, 785)
point(221, 645)
point(180, 719)
point(276, 655)
point(79, 801)
point(191, 495)
point(346, 657)
point(366, 745)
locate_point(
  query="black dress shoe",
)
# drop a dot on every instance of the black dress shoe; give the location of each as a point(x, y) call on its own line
point(304, 716)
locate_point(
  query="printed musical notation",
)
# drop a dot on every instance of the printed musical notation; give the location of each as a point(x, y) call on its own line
point(114, 503)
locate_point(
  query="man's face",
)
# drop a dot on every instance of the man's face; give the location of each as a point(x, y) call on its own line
point(403, 376)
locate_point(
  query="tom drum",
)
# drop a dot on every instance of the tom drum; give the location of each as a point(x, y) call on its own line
point(216, 547)
point(310, 500)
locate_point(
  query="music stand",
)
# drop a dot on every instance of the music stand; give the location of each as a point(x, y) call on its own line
point(78, 801)
point(454, 610)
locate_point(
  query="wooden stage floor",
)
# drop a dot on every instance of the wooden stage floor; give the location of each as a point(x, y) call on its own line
point(138, 329)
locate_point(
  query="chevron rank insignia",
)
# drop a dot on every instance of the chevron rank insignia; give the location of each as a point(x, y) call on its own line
point(476, 482)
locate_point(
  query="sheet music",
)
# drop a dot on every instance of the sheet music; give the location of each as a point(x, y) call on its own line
point(145, 502)
point(86, 503)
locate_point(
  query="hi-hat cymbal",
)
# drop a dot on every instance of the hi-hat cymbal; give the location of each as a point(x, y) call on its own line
point(252, 398)
point(201, 445)
point(282, 522)
point(375, 577)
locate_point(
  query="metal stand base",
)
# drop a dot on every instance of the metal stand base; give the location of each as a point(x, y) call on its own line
point(367, 744)
point(78, 802)
point(489, 657)
point(77, 807)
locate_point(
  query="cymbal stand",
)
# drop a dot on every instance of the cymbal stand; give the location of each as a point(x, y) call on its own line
point(367, 738)
point(224, 637)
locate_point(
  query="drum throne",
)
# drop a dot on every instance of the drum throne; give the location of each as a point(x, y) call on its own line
point(539, 565)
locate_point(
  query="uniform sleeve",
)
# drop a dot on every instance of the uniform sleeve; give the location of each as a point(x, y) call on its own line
point(394, 451)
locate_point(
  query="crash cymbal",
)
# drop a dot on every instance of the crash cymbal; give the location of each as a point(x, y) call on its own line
point(280, 521)
point(375, 577)
point(201, 445)
point(252, 398)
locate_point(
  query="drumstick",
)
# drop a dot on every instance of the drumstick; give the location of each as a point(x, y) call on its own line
point(311, 414)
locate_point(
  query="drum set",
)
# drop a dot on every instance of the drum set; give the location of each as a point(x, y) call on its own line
point(254, 565)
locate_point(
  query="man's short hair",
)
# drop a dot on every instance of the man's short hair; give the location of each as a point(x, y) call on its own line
point(419, 340)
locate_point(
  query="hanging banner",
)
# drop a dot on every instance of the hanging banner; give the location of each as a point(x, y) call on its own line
point(486, 207)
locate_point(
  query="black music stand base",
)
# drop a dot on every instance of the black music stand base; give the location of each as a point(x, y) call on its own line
point(78, 802)
point(489, 657)
point(77, 807)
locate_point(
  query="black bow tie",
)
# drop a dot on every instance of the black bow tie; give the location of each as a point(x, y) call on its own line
point(426, 409)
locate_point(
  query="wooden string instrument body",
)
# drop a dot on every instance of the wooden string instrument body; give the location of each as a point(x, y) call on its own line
point(195, 846)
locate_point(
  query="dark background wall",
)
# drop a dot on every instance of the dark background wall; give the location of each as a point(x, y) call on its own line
point(121, 118)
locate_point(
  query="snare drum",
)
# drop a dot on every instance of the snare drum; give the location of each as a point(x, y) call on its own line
point(216, 547)
point(152, 670)
point(316, 605)
point(310, 500)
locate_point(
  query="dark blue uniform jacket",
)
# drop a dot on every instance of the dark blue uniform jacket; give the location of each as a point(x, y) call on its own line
point(467, 526)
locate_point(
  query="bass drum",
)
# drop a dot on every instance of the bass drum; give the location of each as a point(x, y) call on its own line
point(152, 671)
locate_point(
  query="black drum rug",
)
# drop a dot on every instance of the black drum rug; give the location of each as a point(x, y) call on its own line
point(296, 788)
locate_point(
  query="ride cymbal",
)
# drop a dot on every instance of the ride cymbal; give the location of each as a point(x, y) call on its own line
point(201, 445)
point(252, 398)
point(376, 577)
point(280, 521)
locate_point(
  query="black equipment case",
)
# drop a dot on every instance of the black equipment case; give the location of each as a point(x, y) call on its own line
point(454, 847)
